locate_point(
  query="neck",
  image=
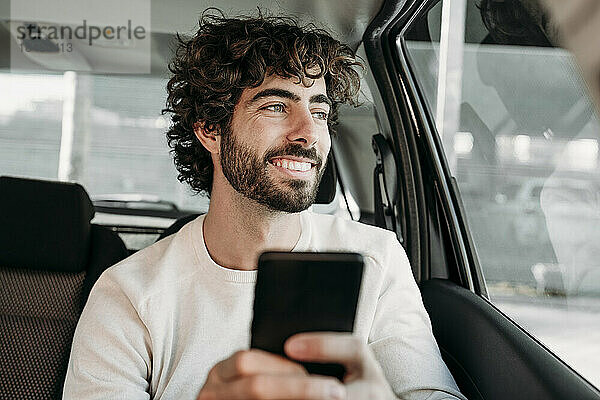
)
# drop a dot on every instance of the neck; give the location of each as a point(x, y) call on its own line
point(237, 230)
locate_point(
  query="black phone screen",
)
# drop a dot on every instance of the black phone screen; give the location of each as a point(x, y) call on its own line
point(305, 292)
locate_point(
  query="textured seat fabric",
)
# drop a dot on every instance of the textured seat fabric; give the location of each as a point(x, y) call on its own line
point(38, 315)
point(42, 293)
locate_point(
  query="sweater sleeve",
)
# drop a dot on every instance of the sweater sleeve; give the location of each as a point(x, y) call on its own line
point(401, 337)
point(111, 356)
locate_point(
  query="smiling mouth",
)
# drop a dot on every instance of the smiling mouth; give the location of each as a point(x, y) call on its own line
point(292, 164)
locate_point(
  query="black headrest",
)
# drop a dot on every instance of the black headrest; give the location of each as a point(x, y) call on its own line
point(44, 225)
point(328, 184)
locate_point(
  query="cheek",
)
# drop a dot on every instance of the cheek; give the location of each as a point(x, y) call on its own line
point(253, 134)
point(264, 132)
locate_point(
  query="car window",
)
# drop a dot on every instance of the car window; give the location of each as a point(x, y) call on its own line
point(119, 145)
point(521, 138)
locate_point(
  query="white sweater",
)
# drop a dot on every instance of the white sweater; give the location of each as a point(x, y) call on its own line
point(158, 321)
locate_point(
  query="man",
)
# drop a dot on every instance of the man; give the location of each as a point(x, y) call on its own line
point(252, 101)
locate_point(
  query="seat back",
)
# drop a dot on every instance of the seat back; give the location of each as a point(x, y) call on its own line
point(50, 257)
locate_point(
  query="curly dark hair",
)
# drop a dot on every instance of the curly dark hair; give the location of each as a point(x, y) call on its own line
point(228, 55)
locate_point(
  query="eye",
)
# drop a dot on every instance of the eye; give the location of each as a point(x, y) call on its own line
point(278, 108)
point(320, 115)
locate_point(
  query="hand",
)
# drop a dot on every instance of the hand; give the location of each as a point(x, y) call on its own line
point(364, 378)
point(255, 374)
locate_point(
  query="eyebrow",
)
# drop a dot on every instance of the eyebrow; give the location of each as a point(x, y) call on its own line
point(320, 98)
point(286, 94)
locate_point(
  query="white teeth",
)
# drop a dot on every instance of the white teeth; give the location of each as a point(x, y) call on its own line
point(292, 165)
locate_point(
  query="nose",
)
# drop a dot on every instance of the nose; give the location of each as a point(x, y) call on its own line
point(304, 130)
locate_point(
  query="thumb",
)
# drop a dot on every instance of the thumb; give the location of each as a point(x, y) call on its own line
point(331, 347)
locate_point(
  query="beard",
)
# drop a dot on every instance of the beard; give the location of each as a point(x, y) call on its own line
point(248, 174)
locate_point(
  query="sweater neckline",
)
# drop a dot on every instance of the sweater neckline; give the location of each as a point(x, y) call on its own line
point(207, 264)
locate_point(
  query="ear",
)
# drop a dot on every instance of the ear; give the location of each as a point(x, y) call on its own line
point(209, 139)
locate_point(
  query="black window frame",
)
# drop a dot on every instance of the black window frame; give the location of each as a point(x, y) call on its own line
point(438, 240)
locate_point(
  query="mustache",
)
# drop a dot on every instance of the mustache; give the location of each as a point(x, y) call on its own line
point(293, 149)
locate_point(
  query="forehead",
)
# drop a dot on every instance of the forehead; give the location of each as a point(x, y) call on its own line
point(316, 86)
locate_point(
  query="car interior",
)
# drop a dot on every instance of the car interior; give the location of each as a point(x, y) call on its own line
point(390, 167)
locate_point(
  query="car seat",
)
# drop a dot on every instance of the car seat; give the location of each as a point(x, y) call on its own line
point(50, 257)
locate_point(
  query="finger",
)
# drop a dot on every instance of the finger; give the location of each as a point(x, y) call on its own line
point(253, 362)
point(342, 348)
point(280, 387)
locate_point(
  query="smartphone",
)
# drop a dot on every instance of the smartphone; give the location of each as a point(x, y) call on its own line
point(305, 292)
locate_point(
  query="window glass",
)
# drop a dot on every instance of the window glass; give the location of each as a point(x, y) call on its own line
point(521, 137)
point(118, 141)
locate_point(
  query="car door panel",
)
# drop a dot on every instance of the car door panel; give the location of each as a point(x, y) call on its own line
point(489, 355)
